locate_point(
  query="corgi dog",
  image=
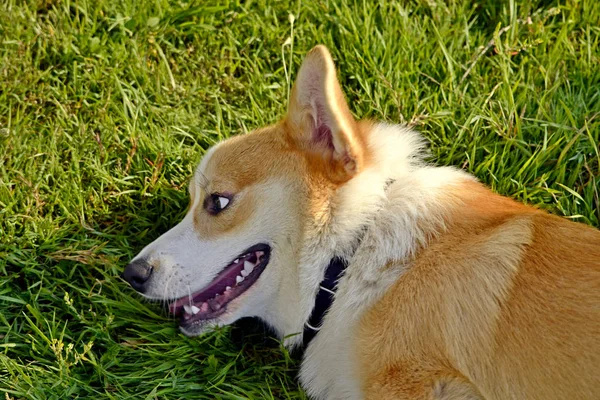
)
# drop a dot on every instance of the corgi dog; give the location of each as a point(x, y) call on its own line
point(403, 280)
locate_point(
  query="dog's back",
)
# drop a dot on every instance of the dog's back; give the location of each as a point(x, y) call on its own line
point(508, 302)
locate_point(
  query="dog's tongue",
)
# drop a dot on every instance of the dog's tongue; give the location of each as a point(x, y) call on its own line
point(216, 287)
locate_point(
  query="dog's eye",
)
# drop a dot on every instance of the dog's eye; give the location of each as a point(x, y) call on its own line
point(215, 203)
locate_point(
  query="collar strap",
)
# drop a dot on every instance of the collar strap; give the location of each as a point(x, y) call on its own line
point(324, 298)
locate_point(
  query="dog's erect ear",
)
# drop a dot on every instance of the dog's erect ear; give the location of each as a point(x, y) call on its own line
point(320, 121)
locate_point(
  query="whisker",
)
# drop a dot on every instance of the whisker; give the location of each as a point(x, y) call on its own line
point(167, 293)
point(202, 180)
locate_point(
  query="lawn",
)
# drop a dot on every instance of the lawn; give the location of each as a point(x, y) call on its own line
point(106, 107)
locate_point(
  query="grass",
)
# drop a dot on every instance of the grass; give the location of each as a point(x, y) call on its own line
point(106, 106)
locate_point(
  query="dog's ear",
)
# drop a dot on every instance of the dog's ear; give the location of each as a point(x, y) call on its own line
point(319, 119)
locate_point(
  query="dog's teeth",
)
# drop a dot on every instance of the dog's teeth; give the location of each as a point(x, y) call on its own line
point(195, 310)
point(216, 306)
point(239, 279)
point(248, 266)
point(244, 273)
point(187, 309)
point(228, 288)
point(237, 260)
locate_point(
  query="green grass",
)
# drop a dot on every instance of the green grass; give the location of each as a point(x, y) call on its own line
point(106, 107)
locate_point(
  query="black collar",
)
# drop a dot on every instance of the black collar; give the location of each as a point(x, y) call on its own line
point(324, 298)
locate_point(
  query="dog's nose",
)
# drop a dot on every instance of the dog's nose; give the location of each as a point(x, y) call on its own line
point(137, 274)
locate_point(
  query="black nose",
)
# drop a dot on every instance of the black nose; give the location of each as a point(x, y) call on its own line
point(137, 274)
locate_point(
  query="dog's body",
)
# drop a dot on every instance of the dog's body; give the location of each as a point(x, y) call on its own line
point(450, 292)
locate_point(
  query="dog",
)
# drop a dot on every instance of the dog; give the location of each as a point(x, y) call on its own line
point(402, 279)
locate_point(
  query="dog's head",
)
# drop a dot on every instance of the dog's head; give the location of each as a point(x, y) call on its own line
point(255, 199)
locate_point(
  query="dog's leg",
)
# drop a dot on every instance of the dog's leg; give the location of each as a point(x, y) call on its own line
point(410, 381)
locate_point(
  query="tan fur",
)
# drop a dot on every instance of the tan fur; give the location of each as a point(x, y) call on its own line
point(288, 149)
point(235, 167)
point(243, 161)
point(486, 304)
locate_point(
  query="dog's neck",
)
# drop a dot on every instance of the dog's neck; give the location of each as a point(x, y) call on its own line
point(328, 286)
point(397, 156)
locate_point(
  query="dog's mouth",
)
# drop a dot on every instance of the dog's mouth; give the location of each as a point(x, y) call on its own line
point(237, 277)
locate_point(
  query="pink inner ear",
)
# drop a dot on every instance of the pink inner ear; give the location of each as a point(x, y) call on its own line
point(322, 136)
